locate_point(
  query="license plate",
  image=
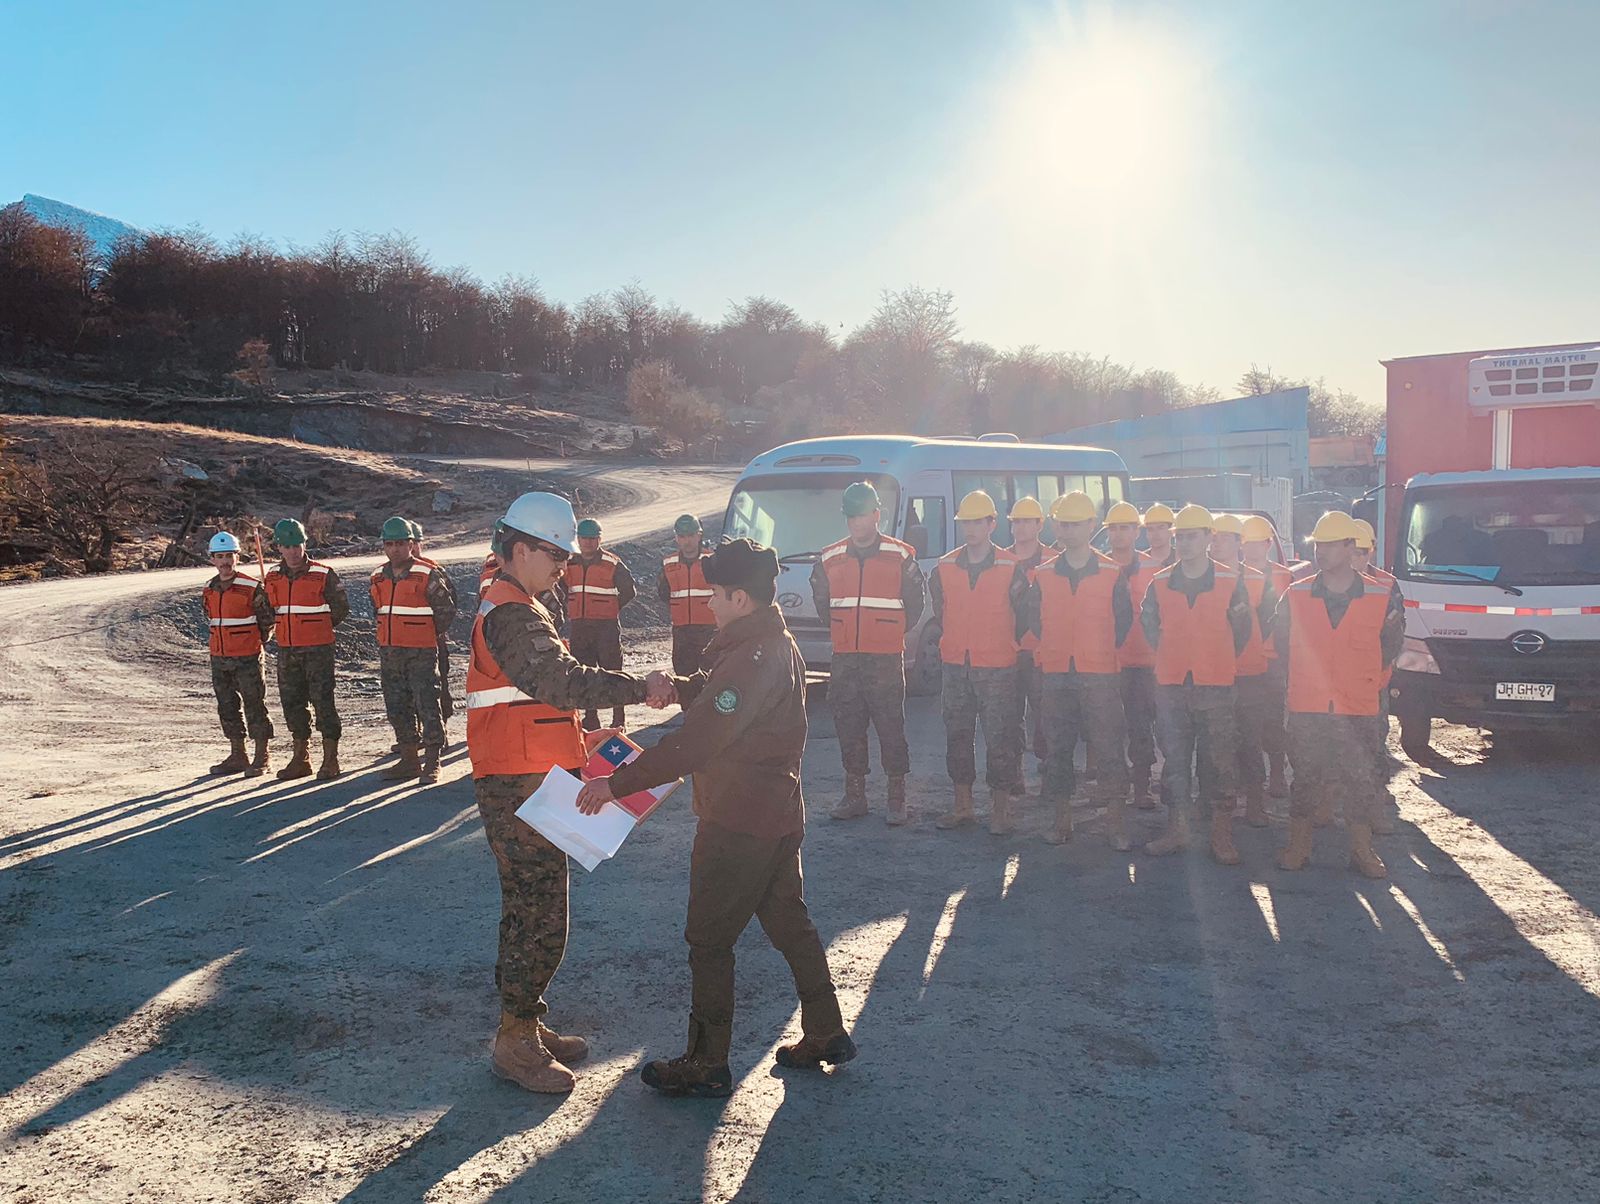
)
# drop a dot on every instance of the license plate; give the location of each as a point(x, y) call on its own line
point(1524, 691)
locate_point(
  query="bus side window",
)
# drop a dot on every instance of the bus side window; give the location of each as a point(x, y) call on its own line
point(925, 526)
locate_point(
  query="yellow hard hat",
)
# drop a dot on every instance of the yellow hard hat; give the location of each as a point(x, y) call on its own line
point(1227, 524)
point(1122, 512)
point(1159, 512)
point(1193, 517)
point(1074, 507)
point(1335, 527)
point(1027, 507)
point(976, 504)
point(1256, 529)
point(1368, 538)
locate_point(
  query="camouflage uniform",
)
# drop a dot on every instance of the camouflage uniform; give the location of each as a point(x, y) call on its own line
point(410, 677)
point(688, 642)
point(533, 873)
point(1030, 691)
point(241, 692)
point(969, 696)
point(305, 675)
point(599, 641)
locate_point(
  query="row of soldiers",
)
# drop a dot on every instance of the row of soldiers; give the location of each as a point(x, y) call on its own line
point(301, 601)
point(1201, 646)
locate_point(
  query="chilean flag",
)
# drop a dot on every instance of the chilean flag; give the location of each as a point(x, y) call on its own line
point(611, 755)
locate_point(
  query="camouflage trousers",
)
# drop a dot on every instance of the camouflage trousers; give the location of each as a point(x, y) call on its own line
point(533, 895)
point(598, 642)
point(305, 683)
point(865, 689)
point(1274, 739)
point(241, 693)
point(1032, 731)
point(689, 646)
point(734, 877)
point(1139, 708)
point(1086, 706)
point(969, 697)
point(1253, 711)
point(1332, 758)
point(1197, 724)
point(410, 679)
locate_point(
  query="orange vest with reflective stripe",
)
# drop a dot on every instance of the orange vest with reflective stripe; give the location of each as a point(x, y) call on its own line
point(509, 732)
point(232, 618)
point(1078, 629)
point(1195, 639)
point(866, 612)
point(302, 617)
point(491, 566)
point(689, 597)
point(404, 614)
point(1336, 670)
point(1252, 662)
point(1386, 579)
point(592, 588)
point(1136, 652)
point(979, 624)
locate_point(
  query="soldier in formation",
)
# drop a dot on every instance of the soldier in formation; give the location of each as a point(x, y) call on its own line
point(237, 623)
point(413, 607)
point(306, 602)
point(598, 589)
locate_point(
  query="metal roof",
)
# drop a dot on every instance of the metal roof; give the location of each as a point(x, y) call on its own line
point(877, 451)
point(1504, 476)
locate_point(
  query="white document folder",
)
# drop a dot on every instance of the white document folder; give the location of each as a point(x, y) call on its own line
point(552, 811)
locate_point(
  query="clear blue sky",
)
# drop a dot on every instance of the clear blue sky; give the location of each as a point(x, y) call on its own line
point(1187, 186)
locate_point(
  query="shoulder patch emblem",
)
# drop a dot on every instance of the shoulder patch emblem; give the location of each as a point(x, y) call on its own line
point(727, 702)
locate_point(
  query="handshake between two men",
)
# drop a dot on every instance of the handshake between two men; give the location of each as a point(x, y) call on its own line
point(661, 693)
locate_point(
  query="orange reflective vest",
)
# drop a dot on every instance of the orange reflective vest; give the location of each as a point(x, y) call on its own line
point(404, 614)
point(979, 624)
point(1077, 628)
point(1386, 580)
point(509, 732)
point(1335, 670)
point(688, 595)
point(592, 588)
point(491, 566)
point(866, 611)
point(1136, 652)
point(231, 614)
point(302, 617)
point(1252, 662)
point(1195, 639)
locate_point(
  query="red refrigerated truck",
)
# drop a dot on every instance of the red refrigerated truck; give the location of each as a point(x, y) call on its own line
point(1491, 522)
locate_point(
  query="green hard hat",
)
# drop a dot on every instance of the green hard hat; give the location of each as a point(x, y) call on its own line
point(416, 529)
point(687, 524)
point(396, 528)
point(289, 533)
point(589, 529)
point(861, 498)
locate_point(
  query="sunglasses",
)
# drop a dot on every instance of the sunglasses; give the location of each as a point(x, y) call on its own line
point(559, 555)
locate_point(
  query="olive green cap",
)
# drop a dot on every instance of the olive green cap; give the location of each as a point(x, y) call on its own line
point(289, 533)
point(396, 528)
point(861, 498)
point(589, 529)
point(687, 524)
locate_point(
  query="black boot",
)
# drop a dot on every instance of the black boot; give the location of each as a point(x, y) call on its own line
point(701, 1071)
point(809, 1053)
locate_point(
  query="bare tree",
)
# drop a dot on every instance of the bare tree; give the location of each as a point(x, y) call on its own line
point(85, 493)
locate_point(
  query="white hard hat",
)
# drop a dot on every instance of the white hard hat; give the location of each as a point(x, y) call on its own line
point(544, 516)
point(222, 541)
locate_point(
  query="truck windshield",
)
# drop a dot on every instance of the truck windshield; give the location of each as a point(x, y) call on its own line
point(799, 514)
point(1507, 533)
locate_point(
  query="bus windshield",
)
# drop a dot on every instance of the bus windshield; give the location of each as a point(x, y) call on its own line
point(1506, 533)
point(799, 514)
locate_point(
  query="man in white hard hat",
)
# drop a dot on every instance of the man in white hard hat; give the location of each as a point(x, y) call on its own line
point(524, 694)
point(238, 620)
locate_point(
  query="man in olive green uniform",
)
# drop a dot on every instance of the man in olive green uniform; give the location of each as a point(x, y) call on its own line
point(598, 589)
point(533, 543)
point(409, 672)
point(306, 673)
point(743, 733)
point(447, 704)
point(689, 636)
point(236, 677)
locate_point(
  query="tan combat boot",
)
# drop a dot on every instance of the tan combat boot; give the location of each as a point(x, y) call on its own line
point(961, 814)
point(406, 768)
point(262, 760)
point(565, 1049)
point(897, 813)
point(1000, 821)
point(519, 1056)
point(1222, 846)
point(299, 765)
point(1173, 839)
point(1255, 808)
point(1061, 833)
point(1297, 852)
point(329, 769)
point(854, 803)
point(1363, 858)
point(1117, 825)
point(429, 773)
point(234, 762)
